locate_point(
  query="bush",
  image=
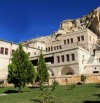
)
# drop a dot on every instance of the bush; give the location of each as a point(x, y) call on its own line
point(71, 86)
point(54, 85)
point(47, 96)
point(83, 78)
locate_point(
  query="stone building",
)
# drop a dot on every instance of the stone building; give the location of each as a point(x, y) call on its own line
point(71, 54)
point(72, 50)
point(6, 50)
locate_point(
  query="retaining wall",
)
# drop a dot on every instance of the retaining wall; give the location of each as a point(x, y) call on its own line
point(63, 80)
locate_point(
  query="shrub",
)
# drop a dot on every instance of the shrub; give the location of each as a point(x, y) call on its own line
point(47, 96)
point(54, 85)
point(83, 78)
point(70, 86)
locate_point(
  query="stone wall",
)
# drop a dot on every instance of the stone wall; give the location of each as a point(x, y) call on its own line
point(63, 80)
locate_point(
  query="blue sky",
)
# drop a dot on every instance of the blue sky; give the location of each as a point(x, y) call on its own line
point(21, 20)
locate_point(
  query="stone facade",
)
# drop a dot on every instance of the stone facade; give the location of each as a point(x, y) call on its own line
point(66, 80)
point(71, 51)
point(71, 54)
point(6, 50)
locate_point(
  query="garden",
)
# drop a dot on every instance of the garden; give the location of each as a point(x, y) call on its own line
point(86, 93)
point(21, 72)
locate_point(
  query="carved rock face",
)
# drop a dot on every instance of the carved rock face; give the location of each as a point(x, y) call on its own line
point(95, 24)
point(67, 25)
point(90, 21)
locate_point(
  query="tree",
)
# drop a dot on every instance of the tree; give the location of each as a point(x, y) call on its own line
point(21, 70)
point(42, 69)
point(31, 74)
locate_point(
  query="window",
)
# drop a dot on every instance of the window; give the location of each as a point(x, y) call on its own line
point(13, 51)
point(95, 71)
point(52, 74)
point(64, 41)
point(28, 53)
point(67, 41)
point(73, 57)
point(46, 49)
point(57, 48)
point(6, 51)
point(38, 47)
point(62, 57)
point(34, 53)
point(60, 47)
point(42, 48)
point(67, 57)
point(82, 38)
point(78, 38)
point(71, 40)
point(54, 48)
point(2, 50)
point(58, 59)
point(94, 52)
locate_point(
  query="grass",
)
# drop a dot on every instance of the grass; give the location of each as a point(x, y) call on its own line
point(87, 93)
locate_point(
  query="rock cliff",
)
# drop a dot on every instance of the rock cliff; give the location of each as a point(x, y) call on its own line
point(90, 21)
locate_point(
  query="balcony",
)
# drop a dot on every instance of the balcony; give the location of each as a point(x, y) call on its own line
point(68, 46)
point(76, 44)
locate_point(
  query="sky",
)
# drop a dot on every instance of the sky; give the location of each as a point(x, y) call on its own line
point(22, 20)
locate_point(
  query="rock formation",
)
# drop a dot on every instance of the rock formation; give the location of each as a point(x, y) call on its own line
point(90, 21)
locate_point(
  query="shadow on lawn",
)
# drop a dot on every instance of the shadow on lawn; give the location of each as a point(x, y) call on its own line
point(98, 85)
point(91, 102)
point(11, 91)
point(14, 91)
point(34, 87)
point(97, 95)
point(36, 100)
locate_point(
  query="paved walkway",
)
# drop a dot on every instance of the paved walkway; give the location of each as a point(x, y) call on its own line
point(3, 94)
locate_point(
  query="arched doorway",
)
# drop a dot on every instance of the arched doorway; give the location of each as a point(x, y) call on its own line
point(67, 71)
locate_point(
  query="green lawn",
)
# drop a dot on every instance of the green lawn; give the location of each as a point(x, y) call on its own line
point(79, 94)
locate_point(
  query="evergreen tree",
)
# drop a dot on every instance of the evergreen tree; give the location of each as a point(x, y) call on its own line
point(21, 70)
point(42, 69)
point(31, 74)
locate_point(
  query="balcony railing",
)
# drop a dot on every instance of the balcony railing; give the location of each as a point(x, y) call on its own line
point(84, 46)
point(68, 46)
